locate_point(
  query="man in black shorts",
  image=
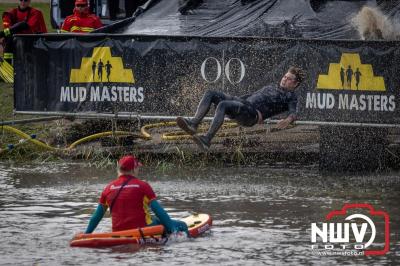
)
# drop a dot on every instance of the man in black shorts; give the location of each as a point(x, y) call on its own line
point(246, 110)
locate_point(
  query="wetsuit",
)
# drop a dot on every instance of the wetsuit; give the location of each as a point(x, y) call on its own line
point(246, 110)
point(272, 100)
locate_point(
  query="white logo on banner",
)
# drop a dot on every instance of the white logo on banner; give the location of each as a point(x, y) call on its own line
point(226, 67)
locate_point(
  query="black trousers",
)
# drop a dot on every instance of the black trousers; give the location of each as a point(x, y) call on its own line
point(234, 107)
point(8, 50)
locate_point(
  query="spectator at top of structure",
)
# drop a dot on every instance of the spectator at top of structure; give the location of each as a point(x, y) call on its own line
point(82, 21)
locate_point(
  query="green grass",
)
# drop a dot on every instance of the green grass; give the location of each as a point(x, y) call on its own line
point(6, 101)
point(44, 7)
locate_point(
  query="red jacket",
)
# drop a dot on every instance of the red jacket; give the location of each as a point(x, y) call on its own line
point(81, 23)
point(32, 16)
point(131, 209)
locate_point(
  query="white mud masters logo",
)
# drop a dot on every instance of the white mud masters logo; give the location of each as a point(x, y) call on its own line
point(101, 78)
point(356, 86)
point(356, 229)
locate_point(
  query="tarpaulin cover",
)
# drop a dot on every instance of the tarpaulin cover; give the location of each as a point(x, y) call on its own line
point(348, 81)
point(313, 19)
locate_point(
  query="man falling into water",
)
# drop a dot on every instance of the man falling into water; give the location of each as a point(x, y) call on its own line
point(247, 110)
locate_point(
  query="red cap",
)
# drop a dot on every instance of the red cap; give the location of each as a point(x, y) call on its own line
point(81, 2)
point(128, 163)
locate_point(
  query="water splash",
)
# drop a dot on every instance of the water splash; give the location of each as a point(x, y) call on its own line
point(372, 24)
point(177, 237)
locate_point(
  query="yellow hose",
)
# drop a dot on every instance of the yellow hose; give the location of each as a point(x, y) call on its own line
point(176, 135)
point(102, 134)
point(73, 145)
point(144, 129)
point(26, 136)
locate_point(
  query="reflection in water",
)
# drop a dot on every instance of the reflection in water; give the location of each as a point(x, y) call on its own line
point(261, 215)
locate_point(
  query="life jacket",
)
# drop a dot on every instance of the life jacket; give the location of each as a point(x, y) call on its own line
point(81, 22)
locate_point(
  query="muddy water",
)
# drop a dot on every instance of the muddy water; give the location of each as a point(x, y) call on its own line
point(261, 215)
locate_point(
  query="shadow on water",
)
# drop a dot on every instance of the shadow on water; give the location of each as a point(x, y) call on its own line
point(261, 215)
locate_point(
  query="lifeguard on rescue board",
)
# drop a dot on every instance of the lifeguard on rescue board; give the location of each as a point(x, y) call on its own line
point(129, 200)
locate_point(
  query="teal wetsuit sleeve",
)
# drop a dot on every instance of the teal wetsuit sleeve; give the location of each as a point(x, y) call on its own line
point(96, 218)
point(172, 226)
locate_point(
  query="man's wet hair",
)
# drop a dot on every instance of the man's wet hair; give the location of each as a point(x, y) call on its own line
point(298, 72)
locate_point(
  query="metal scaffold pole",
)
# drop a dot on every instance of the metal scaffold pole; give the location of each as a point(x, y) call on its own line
point(127, 115)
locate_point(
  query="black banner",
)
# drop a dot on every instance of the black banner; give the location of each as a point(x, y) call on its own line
point(347, 81)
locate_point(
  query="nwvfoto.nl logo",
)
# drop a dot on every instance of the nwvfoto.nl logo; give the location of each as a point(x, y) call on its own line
point(356, 229)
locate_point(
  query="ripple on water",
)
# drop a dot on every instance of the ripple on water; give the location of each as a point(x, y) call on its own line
point(261, 215)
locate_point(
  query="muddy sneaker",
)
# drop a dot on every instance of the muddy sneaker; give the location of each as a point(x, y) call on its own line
point(186, 125)
point(202, 142)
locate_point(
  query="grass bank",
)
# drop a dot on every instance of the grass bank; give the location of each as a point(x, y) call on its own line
point(12, 146)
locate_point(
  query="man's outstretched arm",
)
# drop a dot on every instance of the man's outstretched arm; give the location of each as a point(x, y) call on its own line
point(284, 123)
point(293, 110)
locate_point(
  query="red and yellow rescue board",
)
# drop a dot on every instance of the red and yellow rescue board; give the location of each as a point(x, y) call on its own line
point(197, 224)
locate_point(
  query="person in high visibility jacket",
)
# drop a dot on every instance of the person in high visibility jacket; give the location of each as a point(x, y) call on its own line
point(82, 21)
point(23, 19)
